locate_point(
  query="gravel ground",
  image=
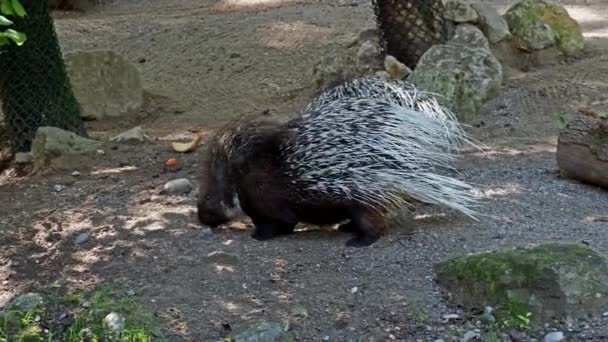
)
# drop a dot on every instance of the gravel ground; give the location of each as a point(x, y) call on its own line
point(204, 63)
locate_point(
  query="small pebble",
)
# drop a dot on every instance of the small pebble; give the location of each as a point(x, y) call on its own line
point(450, 316)
point(23, 157)
point(86, 304)
point(115, 322)
point(392, 337)
point(101, 152)
point(326, 338)
point(469, 336)
point(75, 173)
point(82, 238)
point(354, 290)
point(605, 314)
point(556, 336)
point(178, 186)
point(58, 188)
point(131, 293)
point(439, 340)
point(221, 257)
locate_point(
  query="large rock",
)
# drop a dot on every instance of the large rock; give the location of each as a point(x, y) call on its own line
point(582, 149)
point(562, 281)
point(56, 149)
point(460, 11)
point(104, 83)
point(539, 24)
point(465, 77)
point(358, 58)
point(263, 332)
point(493, 25)
point(470, 36)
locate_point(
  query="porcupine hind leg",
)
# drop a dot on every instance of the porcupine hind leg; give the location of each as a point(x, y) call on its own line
point(367, 224)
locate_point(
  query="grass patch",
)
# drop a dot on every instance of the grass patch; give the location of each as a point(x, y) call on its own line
point(83, 318)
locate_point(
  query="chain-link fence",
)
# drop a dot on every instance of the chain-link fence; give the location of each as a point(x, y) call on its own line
point(408, 28)
point(34, 87)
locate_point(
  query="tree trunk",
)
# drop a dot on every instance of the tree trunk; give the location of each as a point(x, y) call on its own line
point(410, 27)
point(34, 88)
point(582, 149)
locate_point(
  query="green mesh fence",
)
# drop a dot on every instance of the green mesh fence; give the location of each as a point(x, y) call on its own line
point(408, 28)
point(34, 87)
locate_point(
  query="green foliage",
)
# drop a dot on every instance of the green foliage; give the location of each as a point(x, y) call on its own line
point(88, 321)
point(561, 119)
point(11, 8)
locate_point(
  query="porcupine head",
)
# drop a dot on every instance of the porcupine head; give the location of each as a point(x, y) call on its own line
point(217, 201)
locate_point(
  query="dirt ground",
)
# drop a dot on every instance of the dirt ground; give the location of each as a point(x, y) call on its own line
point(204, 61)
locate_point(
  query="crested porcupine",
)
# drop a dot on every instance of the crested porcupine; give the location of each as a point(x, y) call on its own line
point(347, 157)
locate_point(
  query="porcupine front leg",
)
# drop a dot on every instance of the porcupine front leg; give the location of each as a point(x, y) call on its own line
point(368, 226)
point(269, 230)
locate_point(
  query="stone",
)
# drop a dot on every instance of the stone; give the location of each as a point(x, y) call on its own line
point(555, 336)
point(383, 74)
point(220, 257)
point(24, 157)
point(134, 135)
point(58, 187)
point(548, 280)
point(27, 302)
point(56, 149)
point(263, 332)
point(464, 77)
point(333, 69)
point(471, 36)
point(368, 55)
point(582, 149)
point(115, 322)
point(470, 336)
point(460, 11)
point(395, 69)
point(104, 83)
point(492, 24)
point(178, 186)
point(82, 238)
point(539, 24)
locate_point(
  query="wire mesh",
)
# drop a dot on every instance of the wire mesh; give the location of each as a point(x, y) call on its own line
point(408, 28)
point(34, 88)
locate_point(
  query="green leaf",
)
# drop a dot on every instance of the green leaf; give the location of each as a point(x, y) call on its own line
point(4, 21)
point(18, 8)
point(4, 41)
point(6, 8)
point(18, 37)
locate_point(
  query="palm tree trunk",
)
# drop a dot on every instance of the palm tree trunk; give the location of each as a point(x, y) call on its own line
point(410, 27)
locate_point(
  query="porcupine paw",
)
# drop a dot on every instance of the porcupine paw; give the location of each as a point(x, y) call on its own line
point(361, 241)
point(264, 232)
point(347, 227)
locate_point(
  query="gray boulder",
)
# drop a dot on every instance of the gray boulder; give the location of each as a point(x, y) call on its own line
point(263, 332)
point(464, 77)
point(133, 136)
point(56, 149)
point(551, 281)
point(471, 36)
point(104, 83)
point(493, 25)
point(539, 24)
point(460, 11)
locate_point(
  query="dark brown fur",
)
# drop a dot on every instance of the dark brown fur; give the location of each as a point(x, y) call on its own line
point(274, 203)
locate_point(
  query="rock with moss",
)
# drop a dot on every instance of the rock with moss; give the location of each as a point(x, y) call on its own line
point(263, 332)
point(56, 149)
point(539, 24)
point(563, 281)
point(464, 77)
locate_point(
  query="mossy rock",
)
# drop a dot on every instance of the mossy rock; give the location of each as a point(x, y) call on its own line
point(463, 77)
point(539, 24)
point(549, 280)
